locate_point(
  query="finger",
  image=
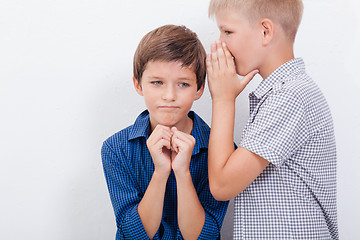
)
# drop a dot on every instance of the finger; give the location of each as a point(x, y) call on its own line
point(158, 138)
point(221, 55)
point(164, 143)
point(177, 144)
point(229, 57)
point(214, 57)
point(160, 132)
point(174, 144)
point(185, 138)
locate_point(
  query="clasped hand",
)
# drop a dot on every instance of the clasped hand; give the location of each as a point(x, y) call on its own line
point(170, 149)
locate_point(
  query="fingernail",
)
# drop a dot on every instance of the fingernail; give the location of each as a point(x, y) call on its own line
point(224, 44)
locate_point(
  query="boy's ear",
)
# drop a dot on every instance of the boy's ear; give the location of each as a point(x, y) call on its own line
point(200, 92)
point(137, 86)
point(267, 27)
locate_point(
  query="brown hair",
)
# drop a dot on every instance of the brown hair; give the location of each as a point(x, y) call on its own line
point(287, 13)
point(171, 43)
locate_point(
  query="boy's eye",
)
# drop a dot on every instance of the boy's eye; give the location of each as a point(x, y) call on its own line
point(156, 82)
point(227, 32)
point(184, 85)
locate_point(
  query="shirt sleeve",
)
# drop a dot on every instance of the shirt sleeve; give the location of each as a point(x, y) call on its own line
point(124, 195)
point(277, 129)
point(214, 212)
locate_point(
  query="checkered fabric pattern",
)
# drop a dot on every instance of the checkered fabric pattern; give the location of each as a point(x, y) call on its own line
point(290, 125)
point(128, 169)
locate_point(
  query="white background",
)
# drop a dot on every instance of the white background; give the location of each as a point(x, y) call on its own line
point(65, 86)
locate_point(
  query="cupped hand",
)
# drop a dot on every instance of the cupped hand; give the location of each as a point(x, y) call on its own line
point(224, 84)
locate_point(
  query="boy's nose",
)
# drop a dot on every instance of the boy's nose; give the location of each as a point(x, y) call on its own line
point(169, 94)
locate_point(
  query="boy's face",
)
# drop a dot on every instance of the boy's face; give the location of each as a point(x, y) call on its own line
point(169, 91)
point(242, 39)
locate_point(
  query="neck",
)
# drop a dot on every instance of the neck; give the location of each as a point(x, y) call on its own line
point(276, 57)
point(187, 126)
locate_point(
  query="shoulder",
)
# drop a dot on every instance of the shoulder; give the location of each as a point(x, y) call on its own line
point(119, 137)
point(122, 138)
point(299, 90)
point(300, 98)
point(291, 82)
point(118, 142)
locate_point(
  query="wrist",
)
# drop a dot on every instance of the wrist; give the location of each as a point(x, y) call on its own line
point(223, 103)
point(161, 175)
point(182, 173)
point(223, 99)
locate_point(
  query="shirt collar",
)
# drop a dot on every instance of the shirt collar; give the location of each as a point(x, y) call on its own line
point(279, 76)
point(141, 127)
point(200, 131)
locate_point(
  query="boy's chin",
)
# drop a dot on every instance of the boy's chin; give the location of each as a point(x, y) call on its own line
point(240, 71)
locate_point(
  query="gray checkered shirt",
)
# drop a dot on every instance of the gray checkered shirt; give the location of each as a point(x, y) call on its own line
point(290, 125)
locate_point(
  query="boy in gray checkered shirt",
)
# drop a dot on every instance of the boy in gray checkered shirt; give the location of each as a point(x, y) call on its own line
point(283, 175)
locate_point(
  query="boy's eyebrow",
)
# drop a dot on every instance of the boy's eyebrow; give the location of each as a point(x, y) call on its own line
point(222, 27)
point(180, 78)
point(185, 78)
point(156, 77)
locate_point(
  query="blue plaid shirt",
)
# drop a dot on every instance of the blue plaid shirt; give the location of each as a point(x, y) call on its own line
point(128, 169)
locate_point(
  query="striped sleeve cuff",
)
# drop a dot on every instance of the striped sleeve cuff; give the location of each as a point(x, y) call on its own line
point(132, 226)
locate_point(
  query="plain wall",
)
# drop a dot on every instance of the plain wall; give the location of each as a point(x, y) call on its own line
point(65, 86)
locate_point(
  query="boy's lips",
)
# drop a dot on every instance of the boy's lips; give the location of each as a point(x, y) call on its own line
point(168, 107)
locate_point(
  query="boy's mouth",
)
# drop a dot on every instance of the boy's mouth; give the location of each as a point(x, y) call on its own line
point(168, 107)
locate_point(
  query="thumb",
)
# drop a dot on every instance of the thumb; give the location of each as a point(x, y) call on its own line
point(245, 80)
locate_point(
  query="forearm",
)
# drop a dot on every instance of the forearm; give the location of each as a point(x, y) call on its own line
point(221, 143)
point(150, 207)
point(191, 214)
point(227, 166)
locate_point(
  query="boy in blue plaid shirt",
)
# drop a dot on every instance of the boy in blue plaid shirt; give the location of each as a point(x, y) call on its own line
point(283, 174)
point(156, 169)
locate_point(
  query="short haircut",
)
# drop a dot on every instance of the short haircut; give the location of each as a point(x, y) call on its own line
point(287, 13)
point(171, 43)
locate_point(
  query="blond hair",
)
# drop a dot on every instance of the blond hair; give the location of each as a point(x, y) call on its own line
point(171, 43)
point(287, 13)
